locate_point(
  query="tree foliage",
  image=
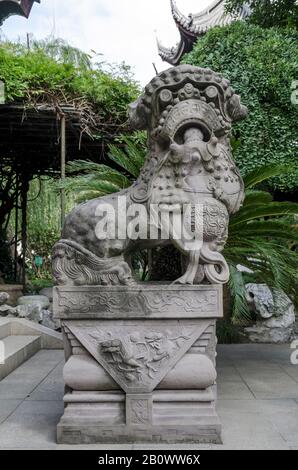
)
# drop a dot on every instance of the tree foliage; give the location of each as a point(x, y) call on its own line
point(267, 13)
point(261, 65)
point(52, 69)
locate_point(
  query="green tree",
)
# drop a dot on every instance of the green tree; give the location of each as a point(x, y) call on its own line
point(267, 13)
point(54, 72)
point(261, 65)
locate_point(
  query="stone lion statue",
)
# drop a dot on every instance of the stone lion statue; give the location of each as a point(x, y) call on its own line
point(188, 113)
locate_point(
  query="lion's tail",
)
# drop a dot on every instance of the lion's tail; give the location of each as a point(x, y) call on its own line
point(74, 264)
point(216, 268)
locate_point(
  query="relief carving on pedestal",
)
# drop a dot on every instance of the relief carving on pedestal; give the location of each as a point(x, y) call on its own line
point(139, 412)
point(138, 355)
point(145, 301)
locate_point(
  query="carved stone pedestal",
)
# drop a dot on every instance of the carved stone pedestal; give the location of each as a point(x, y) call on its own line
point(140, 363)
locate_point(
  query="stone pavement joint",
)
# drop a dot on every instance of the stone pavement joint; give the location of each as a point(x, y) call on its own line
point(258, 401)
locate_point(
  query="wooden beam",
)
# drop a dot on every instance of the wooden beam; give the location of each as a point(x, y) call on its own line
point(63, 166)
point(24, 199)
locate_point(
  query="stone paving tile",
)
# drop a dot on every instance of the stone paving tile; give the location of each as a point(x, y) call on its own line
point(7, 407)
point(274, 387)
point(268, 381)
point(266, 407)
point(222, 361)
point(249, 422)
point(282, 414)
point(228, 374)
point(247, 430)
point(287, 425)
point(251, 365)
point(292, 371)
point(21, 382)
point(32, 425)
point(51, 388)
point(234, 390)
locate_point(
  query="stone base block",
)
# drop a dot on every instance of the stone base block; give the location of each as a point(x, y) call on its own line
point(140, 363)
point(175, 417)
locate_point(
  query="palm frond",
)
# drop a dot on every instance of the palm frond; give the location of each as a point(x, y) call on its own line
point(61, 51)
point(273, 209)
point(96, 179)
point(264, 173)
point(271, 262)
point(85, 196)
point(136, 151)
point(237, 286)
point(261, 235)
point(264, 228)
point(119, 156)
point(83, 166)
point(255, 197)
point(90, 183)
point(93, 179)
point(131, 157)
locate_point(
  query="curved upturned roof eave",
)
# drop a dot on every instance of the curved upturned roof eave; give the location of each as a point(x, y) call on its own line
point(195, 26)
point(174, 54)
point(199, 23)
point(15, 7)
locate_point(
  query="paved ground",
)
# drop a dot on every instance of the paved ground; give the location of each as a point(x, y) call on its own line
point(258, 401)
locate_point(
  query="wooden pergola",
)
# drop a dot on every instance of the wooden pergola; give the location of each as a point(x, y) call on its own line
point(36, 141)
point(7, 9)
point(32, 136)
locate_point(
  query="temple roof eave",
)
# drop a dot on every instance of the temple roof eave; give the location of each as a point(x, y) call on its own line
point(195, 26)
point(171, 55)
point(15, 7)
point(198, 24)
point(174, 54)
